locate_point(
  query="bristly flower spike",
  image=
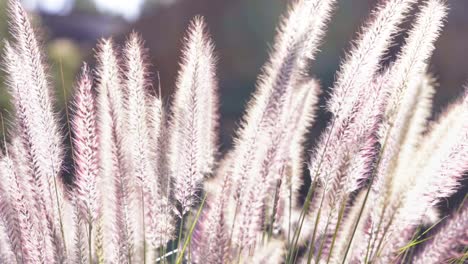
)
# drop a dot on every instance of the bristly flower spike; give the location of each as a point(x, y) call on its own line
point(85, 146)
point(117, 188)
point(257, 148)
point(157, 219)
point(405, 73)
point(194, 117)
point(48, 147)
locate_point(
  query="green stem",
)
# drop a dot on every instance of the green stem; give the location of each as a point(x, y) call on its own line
point(337, 227)
point(373, 240)
point(465, 255)
point(406, 252)
point(143, 226)
point(361, 210)
point(305, 208)
point(314, 233)
point(90, 227)
point(192, 228)
point(302, 216)
point(239, 256)
point(181, 227)
point(317, 220)
point(233, 224)
point(387, 227)
point(273, 211)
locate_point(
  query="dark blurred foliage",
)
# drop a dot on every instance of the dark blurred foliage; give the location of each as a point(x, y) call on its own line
point(243, 32)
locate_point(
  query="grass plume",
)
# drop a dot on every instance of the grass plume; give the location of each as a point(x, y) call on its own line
point(143, 170)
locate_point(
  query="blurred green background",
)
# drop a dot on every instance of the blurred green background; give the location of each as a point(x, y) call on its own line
point(243, 31)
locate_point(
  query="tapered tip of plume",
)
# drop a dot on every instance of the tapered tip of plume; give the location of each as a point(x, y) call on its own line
point(105, 49)
point(134, 43)
point(134, 46)
point(84, 79)
point(108, 72)
point(105, 44)
point(198, 47)
point(197, 24)
point(136, 66)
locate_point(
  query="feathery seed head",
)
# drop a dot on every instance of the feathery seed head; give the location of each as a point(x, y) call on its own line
point(194, 117)
point(85, 146)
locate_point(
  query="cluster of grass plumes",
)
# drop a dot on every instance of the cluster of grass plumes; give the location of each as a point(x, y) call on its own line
point(148, 185)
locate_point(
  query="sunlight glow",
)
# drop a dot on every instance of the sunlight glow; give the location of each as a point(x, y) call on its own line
point(130, 10)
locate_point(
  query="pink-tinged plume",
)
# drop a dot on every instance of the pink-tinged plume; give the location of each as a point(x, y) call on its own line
point(302, 111)
point(160, 133)
point(211, 236)
point(411, 62)
point(46, 141)
point(260, 135)
point(27, 149)
point(157, 219)
point(362, 150)
point(194, 117)
point(345, 149)
point(364, 59)
point(356, 73)
point(265, 189)
point(439, 179)
point(116, 186)
point(21, 222)
point(296, 43)
point(85, 147)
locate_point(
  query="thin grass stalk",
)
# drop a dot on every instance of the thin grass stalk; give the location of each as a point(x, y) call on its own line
point(322, 243)
point(273, 211)
point(381, 241)
point(294, 252)
point(337, 228)
point(314, 233)
point(302, 217)
point(179, 238)
point(309, 196)
point(374, 170)
point(324, 238)
point(192, 228)
point(374, 236)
